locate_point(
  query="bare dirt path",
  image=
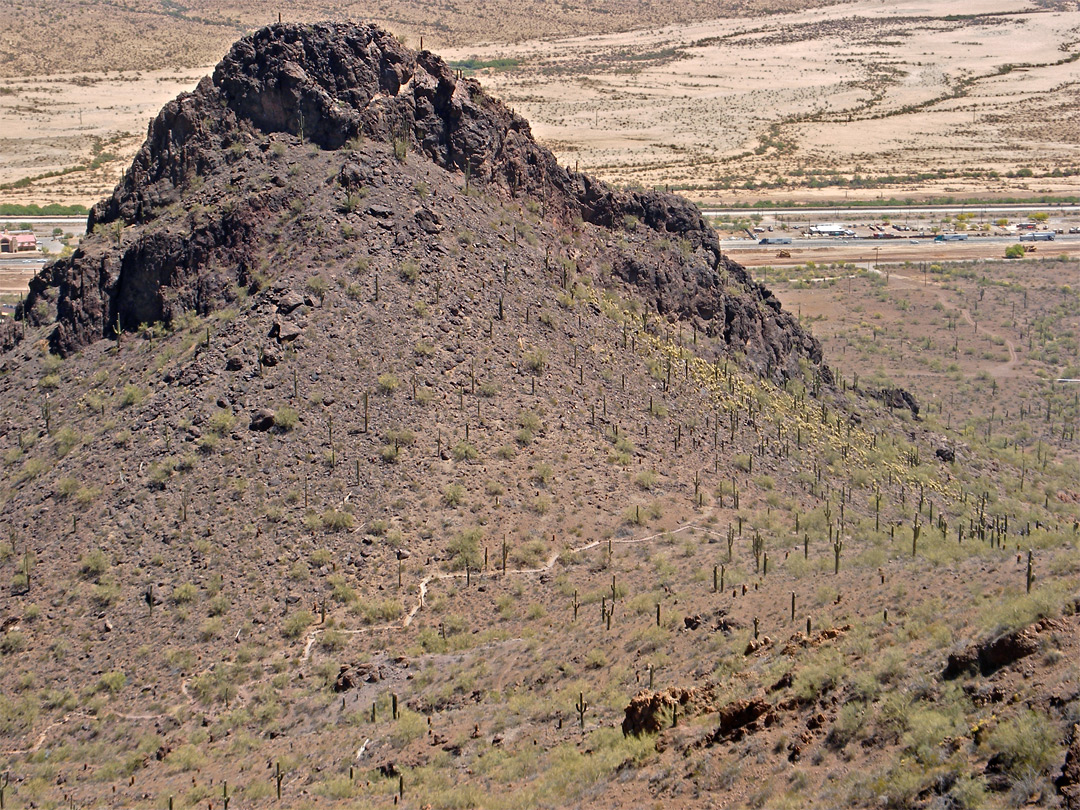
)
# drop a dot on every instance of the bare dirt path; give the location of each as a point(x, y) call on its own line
point(547, 566)
point(1009, 368)
point(407, 620)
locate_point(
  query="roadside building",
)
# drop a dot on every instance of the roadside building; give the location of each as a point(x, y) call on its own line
point(17, 242)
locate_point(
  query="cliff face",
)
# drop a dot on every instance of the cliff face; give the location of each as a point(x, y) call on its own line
point(177, 233)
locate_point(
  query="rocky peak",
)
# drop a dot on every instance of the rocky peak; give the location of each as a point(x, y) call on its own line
point(334, 86)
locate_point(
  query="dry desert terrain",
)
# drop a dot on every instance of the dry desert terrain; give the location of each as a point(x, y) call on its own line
point(852, 100)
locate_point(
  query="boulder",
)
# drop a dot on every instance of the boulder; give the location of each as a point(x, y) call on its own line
point(290, 301)
point(262, 419)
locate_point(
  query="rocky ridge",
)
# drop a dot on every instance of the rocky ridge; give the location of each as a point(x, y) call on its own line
point(332, 85)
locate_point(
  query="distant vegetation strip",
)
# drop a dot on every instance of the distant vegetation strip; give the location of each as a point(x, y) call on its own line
point(50, 210)
point(474, 63)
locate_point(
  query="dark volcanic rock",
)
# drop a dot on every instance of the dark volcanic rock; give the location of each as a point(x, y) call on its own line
point(742, 716)
point(262, 419)
point(899, 398)
point(650, 712)
point(1068, 782)
point(328, 84)
point(991, 655)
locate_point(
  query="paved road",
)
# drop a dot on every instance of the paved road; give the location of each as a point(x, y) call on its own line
point(865, 244)
point(855, 213)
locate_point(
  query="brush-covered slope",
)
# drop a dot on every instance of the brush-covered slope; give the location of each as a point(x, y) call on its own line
point(355, 398)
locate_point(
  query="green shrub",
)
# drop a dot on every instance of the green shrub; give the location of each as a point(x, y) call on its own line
point(93, 563)
point(296, 623)
point(131, 395)
point(1028, 743)
point(376, 611)
point(286, 418)
point(453, 495)
point(464, 451)
point(66, 440)
point(536, 361)
point(111, 682)
point(222, 422)
point(464, 549)
point(183, 594)
point(388, 383)
point(335, 521)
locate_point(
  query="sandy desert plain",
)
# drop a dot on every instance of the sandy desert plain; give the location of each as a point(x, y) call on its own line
point(850, 101)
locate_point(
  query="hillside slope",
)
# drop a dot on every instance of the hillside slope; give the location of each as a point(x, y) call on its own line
point(363, 449)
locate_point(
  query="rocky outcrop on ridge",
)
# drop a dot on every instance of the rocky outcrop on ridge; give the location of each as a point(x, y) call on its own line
point(333, 85)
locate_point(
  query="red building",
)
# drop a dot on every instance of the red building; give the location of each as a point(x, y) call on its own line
point(18, 242)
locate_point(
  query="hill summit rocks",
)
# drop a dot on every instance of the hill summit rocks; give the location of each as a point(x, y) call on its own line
point(331, 86)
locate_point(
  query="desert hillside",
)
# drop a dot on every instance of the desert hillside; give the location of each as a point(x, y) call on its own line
point(365, 455)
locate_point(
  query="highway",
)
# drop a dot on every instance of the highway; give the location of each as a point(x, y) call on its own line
point(1072, 240)
point(855, 213)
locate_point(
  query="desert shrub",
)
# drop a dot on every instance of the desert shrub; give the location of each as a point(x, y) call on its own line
point(12, 642)
point(65, 440)
point(111, 682)
point(336, 521)
point(464, 549)
point(818, 677)
point(408, 727)
point(543, 473)
point(296, 623)
point(453, 495)
point(388, 383)
point(221, 422)
point(183, 594)
point(1027, 743)
point(286, 418)
point(536, 361)
point(464, 451)
point(375, 611)
point(93, 564)
point(131, 395)
point(646, 479)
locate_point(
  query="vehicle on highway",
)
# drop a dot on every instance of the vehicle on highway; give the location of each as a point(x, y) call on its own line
point(775, 240)
point(951, 237)
point(830, 229)
point(1040, 236)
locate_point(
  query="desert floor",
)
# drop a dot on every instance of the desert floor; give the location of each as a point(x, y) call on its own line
point(913, 98)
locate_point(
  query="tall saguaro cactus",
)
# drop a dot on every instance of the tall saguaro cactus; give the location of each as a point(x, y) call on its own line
point(581, 706)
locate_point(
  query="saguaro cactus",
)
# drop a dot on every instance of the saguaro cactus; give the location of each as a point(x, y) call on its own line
point(838, 546)
point(581, 706)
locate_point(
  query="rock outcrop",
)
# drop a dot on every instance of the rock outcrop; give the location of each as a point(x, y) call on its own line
point(650, 712)
point(332, 85)
point(989, 656)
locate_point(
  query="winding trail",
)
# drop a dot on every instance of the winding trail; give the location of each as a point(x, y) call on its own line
point(1005, 369)
point(402, 624)
point(44, 733)
point(547, 566)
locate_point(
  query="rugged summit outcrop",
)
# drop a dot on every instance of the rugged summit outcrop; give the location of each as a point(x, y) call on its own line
point(333, 85)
